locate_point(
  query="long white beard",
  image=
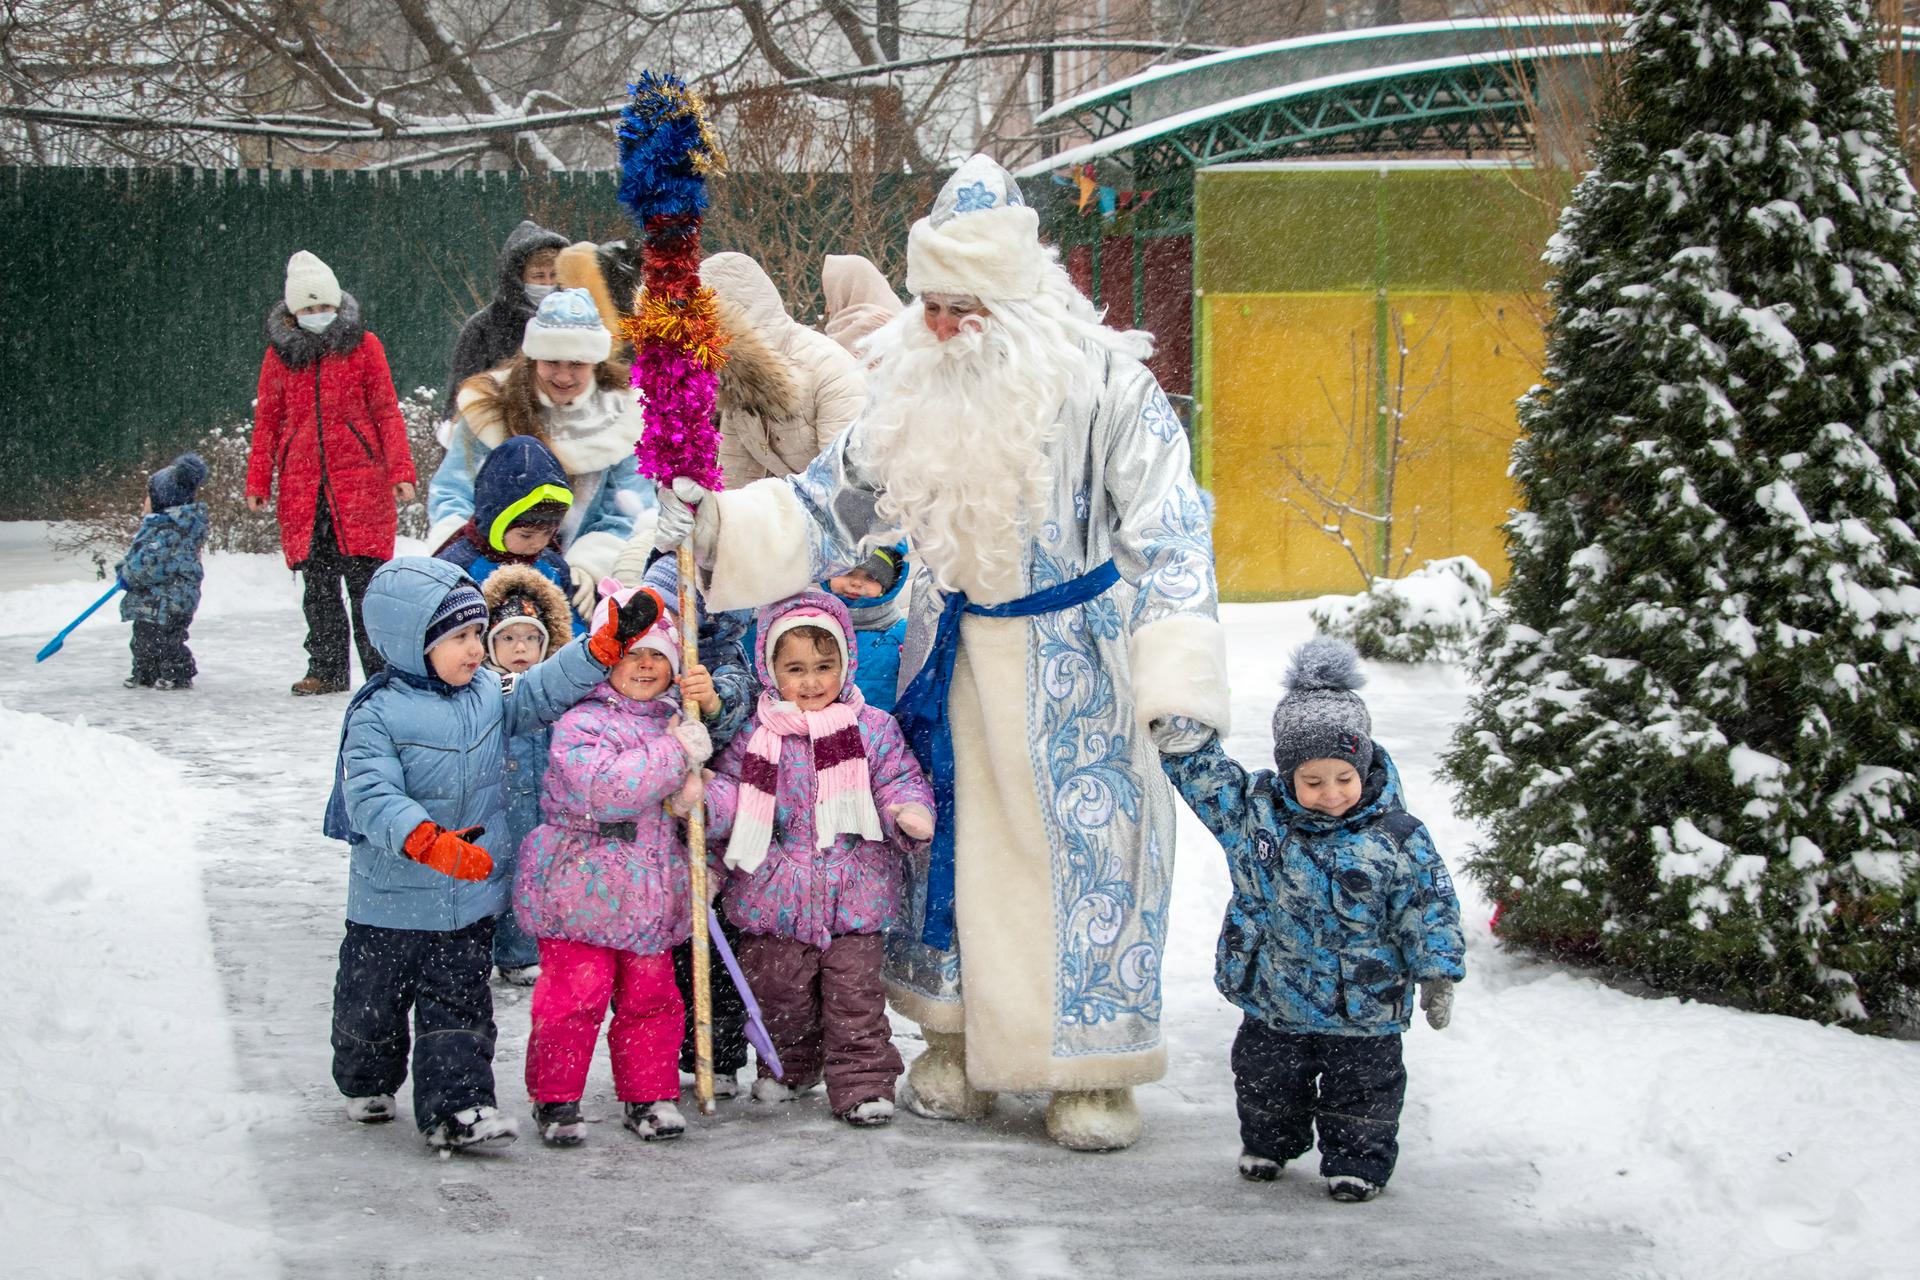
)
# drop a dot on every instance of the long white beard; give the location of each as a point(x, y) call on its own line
point(960, 435)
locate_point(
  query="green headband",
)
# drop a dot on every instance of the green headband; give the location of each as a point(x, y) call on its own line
point(504, 521)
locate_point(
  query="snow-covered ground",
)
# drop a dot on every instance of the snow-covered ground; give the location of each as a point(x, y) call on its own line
point(173, 913)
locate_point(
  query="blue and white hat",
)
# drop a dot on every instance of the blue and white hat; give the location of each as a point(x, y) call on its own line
point(567, 327)
point(980, 240)
point(462, 607)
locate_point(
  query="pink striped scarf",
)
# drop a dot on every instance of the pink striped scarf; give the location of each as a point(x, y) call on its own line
point(843, 789)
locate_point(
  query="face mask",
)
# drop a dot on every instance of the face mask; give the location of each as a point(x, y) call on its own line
point(537, 293)
point(317, 323)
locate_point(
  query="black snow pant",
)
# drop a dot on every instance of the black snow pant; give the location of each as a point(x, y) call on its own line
point(729, 1011)
point(322, 572)
point(442, 979)
point(160, 653)
point(1351, 1087)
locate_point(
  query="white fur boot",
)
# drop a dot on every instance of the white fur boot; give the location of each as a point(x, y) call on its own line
point(1094, 1120)
point(937, 1085)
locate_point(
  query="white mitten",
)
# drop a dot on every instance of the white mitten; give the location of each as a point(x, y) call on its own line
point(1436, 997)
point(630, 566)
point(688, 797)
point(693, 739)
point(914, 821)
point(1179, 735)
point(586, 592)
point(685, 512)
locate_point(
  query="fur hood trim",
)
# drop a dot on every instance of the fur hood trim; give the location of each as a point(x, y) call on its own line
point(299, 349)
point(755, 379)
point(525, 580)
point(506, 401)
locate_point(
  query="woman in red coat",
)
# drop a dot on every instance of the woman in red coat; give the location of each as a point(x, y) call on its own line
point(327, 423)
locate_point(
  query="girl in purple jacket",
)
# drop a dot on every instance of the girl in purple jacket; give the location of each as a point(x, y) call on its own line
point(820, 802)
point(603, 885)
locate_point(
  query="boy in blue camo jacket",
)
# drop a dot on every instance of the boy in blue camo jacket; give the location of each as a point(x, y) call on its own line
point(1340, 905)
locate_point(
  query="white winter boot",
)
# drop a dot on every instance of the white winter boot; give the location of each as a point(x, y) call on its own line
point(937, 1085)
point(1094, 1120)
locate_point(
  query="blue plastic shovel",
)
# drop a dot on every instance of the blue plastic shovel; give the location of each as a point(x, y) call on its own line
point(53, 646)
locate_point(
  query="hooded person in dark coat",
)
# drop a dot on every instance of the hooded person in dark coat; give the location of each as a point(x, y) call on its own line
point(491, 336)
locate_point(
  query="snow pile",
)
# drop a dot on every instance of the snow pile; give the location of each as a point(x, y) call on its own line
point(1435, 612)
point(125, 1132)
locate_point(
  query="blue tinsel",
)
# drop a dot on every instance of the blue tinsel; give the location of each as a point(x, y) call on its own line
point(659, 135)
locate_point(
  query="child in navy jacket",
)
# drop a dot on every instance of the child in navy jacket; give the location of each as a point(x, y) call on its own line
point(1340, 905)
point(162, 575)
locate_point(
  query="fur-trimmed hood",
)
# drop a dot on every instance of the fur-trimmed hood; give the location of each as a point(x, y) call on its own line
point(299, 349)
point(507, 402)
point(755, 379)
point(524, 580)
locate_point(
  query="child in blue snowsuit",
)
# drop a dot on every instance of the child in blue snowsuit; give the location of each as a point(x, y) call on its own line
point(1340, 905)
point(520, 498)
point(529, 620)
point(162, 574)
point(875, 593)
point(419, 797)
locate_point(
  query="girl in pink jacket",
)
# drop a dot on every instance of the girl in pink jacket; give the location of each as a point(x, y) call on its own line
point(603, 885)
point(820, 800)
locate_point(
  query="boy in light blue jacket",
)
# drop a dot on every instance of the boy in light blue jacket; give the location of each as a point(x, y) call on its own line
point(1340, 905)
point(417, 788)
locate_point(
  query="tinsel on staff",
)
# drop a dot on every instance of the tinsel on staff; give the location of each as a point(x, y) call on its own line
point(667, 153)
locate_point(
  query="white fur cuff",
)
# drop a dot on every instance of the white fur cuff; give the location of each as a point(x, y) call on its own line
point(1180, 669)
point(443, 528)
point(990, 254)
point(764, 550)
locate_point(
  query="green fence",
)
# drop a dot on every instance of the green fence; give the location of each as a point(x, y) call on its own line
point(133, 301)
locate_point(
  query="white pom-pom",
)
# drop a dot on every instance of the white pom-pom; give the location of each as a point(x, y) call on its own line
point(1325, 662)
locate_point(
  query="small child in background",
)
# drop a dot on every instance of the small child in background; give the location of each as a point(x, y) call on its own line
point(520, 498)
point(419, 798)
point(874, 592)
point(162, 574)
point(528, 618)
point(1340, 905)
point(604, 885)
point(822, 800)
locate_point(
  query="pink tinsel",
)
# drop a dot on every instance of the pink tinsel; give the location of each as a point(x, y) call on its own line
point(677, 394)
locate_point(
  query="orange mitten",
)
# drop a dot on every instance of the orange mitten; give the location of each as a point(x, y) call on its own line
point(451, 853)
point(624, 624)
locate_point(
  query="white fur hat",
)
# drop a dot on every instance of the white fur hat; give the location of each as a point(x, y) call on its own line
point(981, 239)
point(310, 283)
point(567, 327)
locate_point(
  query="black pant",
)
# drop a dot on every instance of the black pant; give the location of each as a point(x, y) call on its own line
point(729, 1011)
point(323, 570)
point(160, 652)
point(442, 979)
point(1350, 1086)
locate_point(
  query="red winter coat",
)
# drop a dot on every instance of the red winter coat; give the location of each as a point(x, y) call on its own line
point(327, 421)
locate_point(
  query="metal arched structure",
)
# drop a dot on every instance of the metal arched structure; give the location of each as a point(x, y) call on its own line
point(1458, 87)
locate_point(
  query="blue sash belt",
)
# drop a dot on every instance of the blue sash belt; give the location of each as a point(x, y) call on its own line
point(922, 711)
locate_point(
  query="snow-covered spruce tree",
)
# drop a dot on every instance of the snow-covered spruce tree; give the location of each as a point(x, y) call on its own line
point(1695, 743)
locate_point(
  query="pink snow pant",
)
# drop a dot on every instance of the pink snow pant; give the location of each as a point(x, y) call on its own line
point(827, 1014)
point(570, 999)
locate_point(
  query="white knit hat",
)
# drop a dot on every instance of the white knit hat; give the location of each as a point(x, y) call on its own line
point(310, 283)
point(981, 239)
point(567, 327)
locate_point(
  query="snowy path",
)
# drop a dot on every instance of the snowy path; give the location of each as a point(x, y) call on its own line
point(1558, 1129)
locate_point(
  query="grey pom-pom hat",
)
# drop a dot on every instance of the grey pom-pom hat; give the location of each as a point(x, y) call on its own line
point(1321, 717)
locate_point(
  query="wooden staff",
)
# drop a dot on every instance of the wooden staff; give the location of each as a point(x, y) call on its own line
point(697, 851)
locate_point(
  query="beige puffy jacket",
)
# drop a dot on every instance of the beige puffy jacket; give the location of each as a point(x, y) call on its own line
point(786, 390)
